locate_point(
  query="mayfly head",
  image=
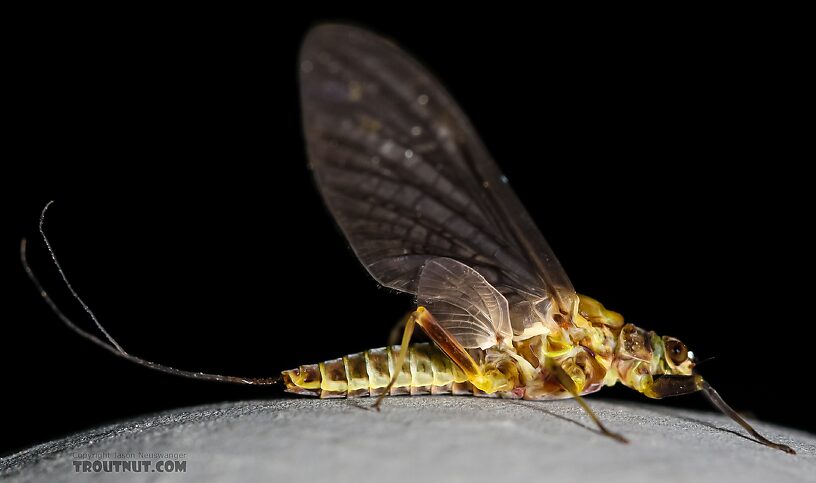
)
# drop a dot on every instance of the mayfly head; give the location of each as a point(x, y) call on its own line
point(661, 367)
point(642, 355)
point(677, 359)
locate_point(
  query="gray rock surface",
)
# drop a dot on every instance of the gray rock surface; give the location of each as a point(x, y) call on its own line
point(428, 439)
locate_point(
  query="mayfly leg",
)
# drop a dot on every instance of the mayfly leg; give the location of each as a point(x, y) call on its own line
point(566, 381)
point(399, 329)
point(669, 385)
point(715, 399)
point(410, 321)
point(448, 344)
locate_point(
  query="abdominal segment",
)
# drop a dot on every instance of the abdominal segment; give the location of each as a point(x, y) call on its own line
point(427, 370)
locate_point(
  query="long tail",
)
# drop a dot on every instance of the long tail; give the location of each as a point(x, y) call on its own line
point(111, 345)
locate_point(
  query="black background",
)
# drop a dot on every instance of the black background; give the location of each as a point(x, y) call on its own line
point(660, 159)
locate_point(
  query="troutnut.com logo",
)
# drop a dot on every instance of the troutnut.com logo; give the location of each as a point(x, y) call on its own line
point(139, 462)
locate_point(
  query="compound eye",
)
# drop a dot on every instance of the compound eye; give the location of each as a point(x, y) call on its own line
point(676, 351)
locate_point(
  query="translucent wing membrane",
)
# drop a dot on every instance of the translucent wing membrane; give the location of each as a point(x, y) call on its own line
point(462, 301)
point(405, 175)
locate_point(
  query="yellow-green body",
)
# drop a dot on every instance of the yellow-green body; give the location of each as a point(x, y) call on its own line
point(427, 370)
point(595, 349)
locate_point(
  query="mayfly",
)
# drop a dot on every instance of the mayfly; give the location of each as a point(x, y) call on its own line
point(427, 212)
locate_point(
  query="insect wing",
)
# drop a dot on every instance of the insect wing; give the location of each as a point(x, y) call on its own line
point(462, 301)
point(405, 176)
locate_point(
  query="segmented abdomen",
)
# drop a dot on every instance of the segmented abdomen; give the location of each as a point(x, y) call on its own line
point(427, 370)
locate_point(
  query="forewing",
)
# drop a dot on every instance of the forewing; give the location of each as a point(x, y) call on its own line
point(405, 175)
point(464, 303)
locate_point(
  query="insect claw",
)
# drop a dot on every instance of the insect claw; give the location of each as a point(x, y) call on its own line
point(617, 437)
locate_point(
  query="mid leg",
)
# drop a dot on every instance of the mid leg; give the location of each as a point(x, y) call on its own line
point(567, 383)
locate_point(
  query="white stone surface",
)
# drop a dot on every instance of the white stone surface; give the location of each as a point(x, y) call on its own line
point(426, 439)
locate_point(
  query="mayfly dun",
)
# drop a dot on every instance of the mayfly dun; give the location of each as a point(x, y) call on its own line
point(428, 212)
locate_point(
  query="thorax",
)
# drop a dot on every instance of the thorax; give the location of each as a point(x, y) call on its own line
point(583, 346)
